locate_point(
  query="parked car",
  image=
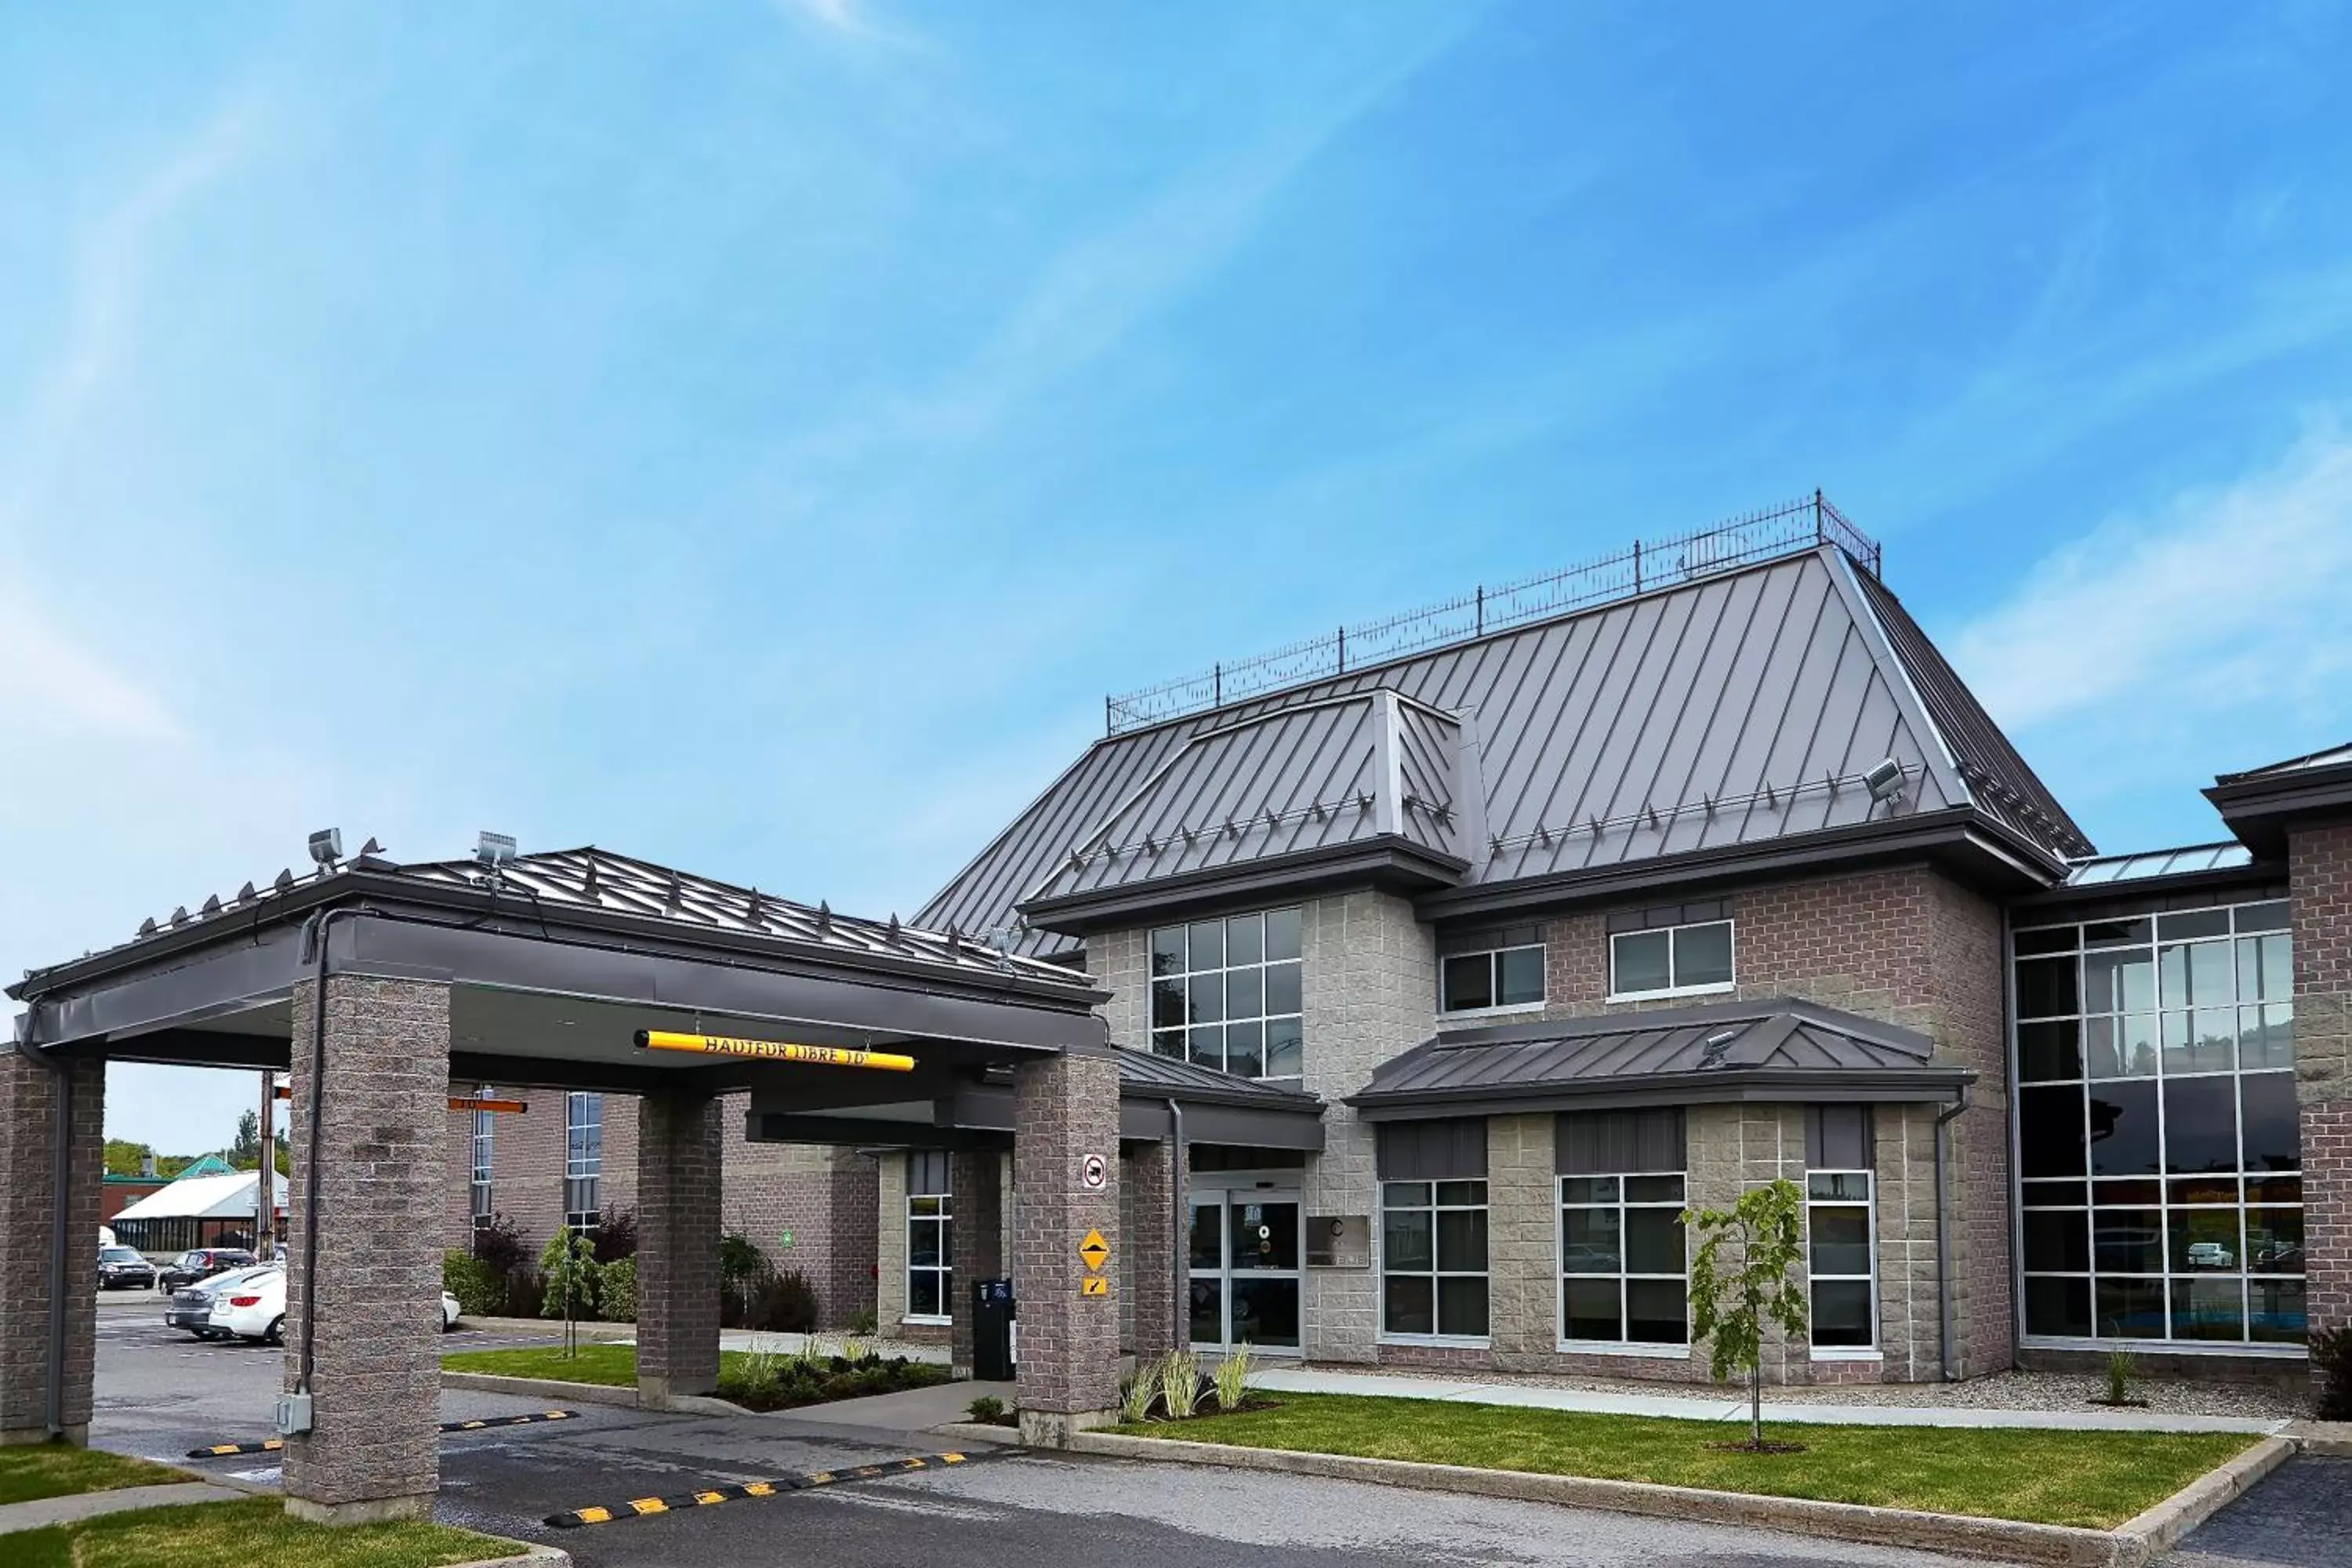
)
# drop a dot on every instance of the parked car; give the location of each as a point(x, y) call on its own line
point(202, 1264)
point(255, 1308)
point(191, 1306)
point(2210, 1255)
point(121, 1268)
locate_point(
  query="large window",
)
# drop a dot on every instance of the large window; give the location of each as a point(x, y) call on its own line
point(1624, 1273)
point(1839, 1227)
point(1434, 1230)
point(1225, 994)
point(930, 1242)
point(1481, 972)
point(583, 1158)
point(1680, 951)
point(2159, 1162)
point(483, 1124)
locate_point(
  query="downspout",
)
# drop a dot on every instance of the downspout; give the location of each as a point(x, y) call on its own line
point(1944, 1238)
point(1179, 1304)
point(61, 1218)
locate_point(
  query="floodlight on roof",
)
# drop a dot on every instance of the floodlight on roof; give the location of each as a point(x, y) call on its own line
point(1884, 781)
point(495, 849)
point(327, 846)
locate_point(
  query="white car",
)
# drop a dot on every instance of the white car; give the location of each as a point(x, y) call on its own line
point(255, 1308)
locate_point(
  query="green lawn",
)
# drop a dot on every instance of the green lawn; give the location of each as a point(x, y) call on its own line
point(54, 1469)
point(2096, 1479)
point(613, 1364)
point(254, 1530)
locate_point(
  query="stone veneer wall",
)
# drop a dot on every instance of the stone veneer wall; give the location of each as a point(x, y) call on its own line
point(2319, 861)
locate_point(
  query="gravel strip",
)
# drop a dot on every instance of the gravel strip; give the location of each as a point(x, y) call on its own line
point(2015, 1390)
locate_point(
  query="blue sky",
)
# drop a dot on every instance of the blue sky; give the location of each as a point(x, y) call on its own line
point(755, 436)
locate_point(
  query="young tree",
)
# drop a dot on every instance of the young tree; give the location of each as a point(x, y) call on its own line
point(1730, 1300)
point(569, 1261)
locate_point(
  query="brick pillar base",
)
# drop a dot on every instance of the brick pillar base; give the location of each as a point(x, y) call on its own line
point(29, 1193)
point(976, 1197)
point(679, 1181)
point(374, 1450)
point(1065, 1109)
point(2327, 1129)
point(1154, 1172)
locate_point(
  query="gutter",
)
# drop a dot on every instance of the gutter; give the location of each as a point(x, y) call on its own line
point(1944, 1328)
point(60, 1222)
point(1180, 1256)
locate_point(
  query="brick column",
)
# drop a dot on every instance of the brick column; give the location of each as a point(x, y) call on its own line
point(1153, 1174)
point(679, 1163)
point(2320, 868)
point(28, 1194)
point(976, 1230)
point(1065, 1109)
point(374, 1450)
point(1522, 1248)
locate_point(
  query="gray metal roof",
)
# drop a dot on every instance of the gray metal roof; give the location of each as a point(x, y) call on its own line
point(2333, 756)
point(1141, 1072)
point(2106, 871)
point(1675, 1055)
point(590, 878)
point(1738, 710)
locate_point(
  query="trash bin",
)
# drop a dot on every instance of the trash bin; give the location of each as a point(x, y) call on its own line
point(991, 1330)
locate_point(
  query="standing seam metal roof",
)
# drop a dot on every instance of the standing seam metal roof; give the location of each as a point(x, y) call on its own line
point(1740, 708)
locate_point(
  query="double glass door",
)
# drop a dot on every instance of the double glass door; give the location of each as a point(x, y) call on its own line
point(1245, 1248)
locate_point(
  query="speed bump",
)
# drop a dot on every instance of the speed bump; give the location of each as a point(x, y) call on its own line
point(705, 1497)
point(273, 1445)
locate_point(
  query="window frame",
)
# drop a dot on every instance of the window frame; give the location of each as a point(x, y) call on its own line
point(2248, 925)
point(481, 1178)
point(1874, 1350)
point(1493, 957)
point(1159, 1038)
point(1385, 1335)
point(1730, 924)
point(1661, 1350)
point(941, 1217)
point(584, 1171)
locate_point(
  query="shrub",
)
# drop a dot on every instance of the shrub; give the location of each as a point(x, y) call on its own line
point(617, 1291)
point(480, 1292)
point(498, 1244)
point(1232, 1377)
point(1180, 1383)
point(615, 1235)
point(1138, 1394)
point(569, 1261)
point(2120, 1367)
point(526, 1294)
point(783, 1303)
point(864, 1322)
point(2331, 1358)
point(987, 1407)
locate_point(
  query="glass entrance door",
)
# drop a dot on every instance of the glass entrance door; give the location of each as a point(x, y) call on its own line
point(1245, 1248)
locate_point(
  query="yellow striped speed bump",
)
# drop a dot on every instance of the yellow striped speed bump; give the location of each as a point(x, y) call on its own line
point(273, 1445)
point(704, 1497)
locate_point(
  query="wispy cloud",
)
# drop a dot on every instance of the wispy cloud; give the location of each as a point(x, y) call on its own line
point(848, 18)
point(54, 686)
point(2225, 600)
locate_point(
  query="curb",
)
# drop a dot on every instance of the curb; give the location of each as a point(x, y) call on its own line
point(2132, 1545)
point(531, 1556)
point(620, 1395)
point(980, 1432)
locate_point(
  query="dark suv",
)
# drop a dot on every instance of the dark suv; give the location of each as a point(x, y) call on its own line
point(202, 1264)
point(121, 1267)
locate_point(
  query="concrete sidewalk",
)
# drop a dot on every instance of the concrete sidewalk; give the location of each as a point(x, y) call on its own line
point(1309, 1380)
point(43, 1511)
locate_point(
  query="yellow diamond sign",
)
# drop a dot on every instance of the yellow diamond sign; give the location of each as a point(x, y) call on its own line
point(1094, 1250)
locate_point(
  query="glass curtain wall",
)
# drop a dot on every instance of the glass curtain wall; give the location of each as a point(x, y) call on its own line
point(2160, 1189)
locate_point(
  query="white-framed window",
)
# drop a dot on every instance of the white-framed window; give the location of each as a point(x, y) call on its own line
point(583, 1158)
point(1841, 1229)
point(483, 1150)
point(1491, 971)
point(1434, 1259)
point(1682, 952)
point(1227, 993)
point(1624, 1281)
point(930, 1240)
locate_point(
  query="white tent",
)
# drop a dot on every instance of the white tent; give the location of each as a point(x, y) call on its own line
point(231, 1196)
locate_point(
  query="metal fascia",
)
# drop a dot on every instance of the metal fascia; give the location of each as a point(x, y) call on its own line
point(1368, 858)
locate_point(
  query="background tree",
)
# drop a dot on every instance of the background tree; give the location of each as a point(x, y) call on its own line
point(245, 1154)
point(1730, 1302)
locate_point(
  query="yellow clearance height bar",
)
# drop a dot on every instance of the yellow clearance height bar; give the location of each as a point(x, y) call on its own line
point(776, 1050)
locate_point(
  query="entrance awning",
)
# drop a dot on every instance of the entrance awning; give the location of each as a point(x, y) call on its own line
point(554, 962)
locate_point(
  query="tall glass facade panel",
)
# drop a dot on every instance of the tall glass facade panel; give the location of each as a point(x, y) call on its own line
point(2159, 1166)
